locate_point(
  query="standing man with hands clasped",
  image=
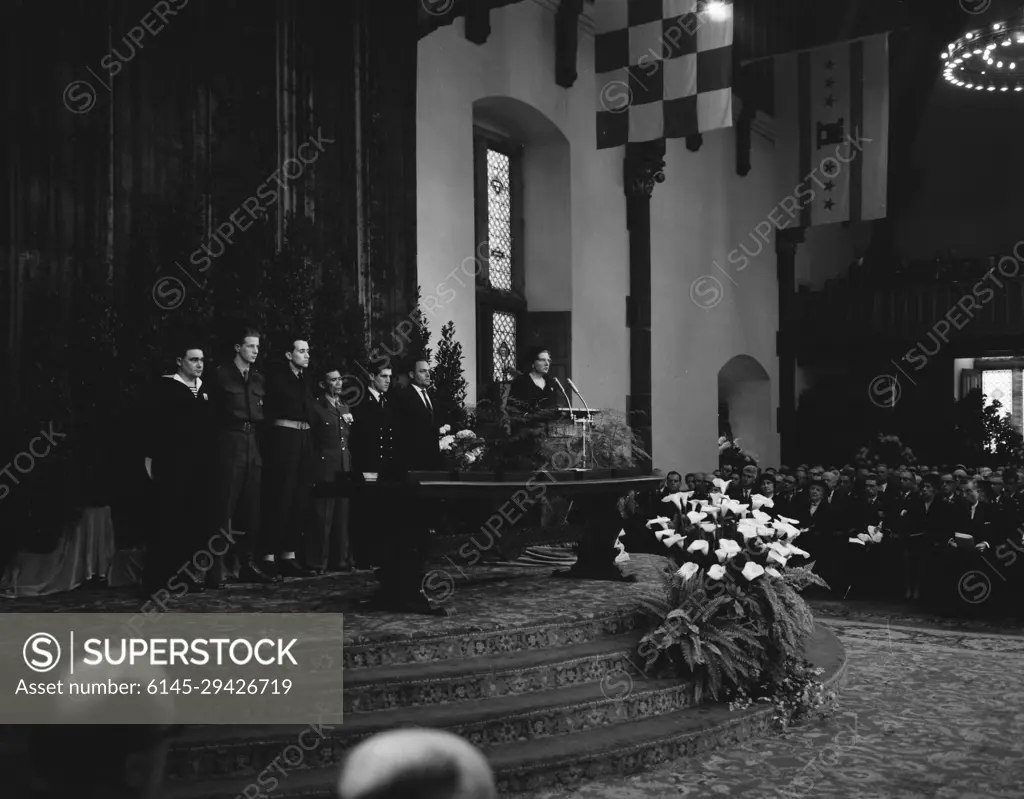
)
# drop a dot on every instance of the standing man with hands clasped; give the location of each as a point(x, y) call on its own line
point(289, 480)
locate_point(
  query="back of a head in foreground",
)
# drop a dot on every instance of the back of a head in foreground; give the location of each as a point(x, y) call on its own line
point(416, 764)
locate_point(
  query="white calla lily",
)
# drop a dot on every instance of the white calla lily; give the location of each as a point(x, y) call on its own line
point(772, 572)
point(729, 546)
point(676, 499)
point(716, 572)
point(716, 499)
point(708, 527)
point(752, 570)
point(674, 539)
point(760, 516)
point(857, 541)
point(721, 485)
point(797, 551)
point(663, 534)
point(695, 516)
point(698, 546)
point(787, 520)
point(761, 501)
point(780, 559)
point(687, 570)
point(622, 557)
point(664, 521)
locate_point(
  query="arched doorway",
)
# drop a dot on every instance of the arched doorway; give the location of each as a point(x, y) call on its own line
point(745, 404)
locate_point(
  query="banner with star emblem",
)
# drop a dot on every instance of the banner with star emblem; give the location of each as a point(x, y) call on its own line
point(832, 112)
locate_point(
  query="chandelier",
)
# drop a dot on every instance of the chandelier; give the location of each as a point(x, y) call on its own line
point(990, 59)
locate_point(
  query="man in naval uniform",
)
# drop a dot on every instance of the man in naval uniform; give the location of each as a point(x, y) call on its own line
point(177, 462)
point(372, 445)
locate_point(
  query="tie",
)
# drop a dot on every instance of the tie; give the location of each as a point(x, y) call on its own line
point(426, 401)
point(300, 374)
point(245, 376)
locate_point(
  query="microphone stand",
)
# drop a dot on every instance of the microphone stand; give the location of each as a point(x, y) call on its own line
point(586, 422)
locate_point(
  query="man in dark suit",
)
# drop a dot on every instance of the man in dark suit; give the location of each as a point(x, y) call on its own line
point(417, 435)
point(288, 478)
point(372, 445)
point(177, 459)
point(236, 393)
point(418, 423)
point(328, 544)
point(742, 490)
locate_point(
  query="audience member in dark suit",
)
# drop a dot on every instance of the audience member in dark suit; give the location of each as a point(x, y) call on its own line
point(418, 424)
point(177, 459)
point(372, 445)
point(928, 525)
point(741, 490)
point(328, 544)
point(960, 588)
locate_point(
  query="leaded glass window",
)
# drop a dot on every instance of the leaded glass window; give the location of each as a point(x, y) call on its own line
point(503, 325)
point(499, 220)
point(997, 384)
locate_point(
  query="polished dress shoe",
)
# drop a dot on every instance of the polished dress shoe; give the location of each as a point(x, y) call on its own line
point(251, 573)
point(291, 568)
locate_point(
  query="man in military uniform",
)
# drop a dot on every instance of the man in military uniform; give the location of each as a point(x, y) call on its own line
point(328, 543)
point(372, 445)
point(237, 394)
point(288, 481)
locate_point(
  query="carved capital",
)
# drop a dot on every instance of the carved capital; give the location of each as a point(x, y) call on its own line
point(788, 240)
point(643, 168)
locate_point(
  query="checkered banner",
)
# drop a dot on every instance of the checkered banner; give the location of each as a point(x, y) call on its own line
point(664, 69)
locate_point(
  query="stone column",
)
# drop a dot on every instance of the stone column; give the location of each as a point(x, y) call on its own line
point(643, 168)
point(786, 243)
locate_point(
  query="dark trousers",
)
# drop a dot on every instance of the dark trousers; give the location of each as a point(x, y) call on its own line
point(175, 538)
point(328, 543)
point(235, 492)
point(287, 489)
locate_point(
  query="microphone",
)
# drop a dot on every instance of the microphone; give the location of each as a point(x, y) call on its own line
point(573, 386)
point(564, 394)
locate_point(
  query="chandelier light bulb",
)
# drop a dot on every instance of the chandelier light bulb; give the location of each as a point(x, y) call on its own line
point(997, 26)
point(991, 88)
point(1006, 43)
point(1013, 66)
point(1000, 65)
point(977, 52)
point(1002, 89)
point(970, 36)
point(1017, 88)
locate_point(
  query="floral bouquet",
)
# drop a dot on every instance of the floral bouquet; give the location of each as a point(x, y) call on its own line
point(462, 449)
point(731, 616)
point(868, 540)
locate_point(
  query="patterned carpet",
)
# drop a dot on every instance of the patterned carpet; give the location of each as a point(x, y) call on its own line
point(925, 713)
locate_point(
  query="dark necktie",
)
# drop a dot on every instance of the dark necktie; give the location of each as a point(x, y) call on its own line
point(426, 401)
point(245, 376)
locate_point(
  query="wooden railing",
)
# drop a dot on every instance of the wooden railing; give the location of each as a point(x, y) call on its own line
point(962, 310)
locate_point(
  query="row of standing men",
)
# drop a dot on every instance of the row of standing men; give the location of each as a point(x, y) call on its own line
point(254, 472)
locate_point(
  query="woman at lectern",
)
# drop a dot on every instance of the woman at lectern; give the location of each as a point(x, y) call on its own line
point(534, 391)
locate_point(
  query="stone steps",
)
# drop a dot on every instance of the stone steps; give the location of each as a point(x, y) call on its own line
point(550, 704)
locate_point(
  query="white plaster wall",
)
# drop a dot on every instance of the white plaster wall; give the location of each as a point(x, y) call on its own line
point(699, 216)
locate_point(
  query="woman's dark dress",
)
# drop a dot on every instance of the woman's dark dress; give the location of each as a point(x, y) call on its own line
point(526, 397)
